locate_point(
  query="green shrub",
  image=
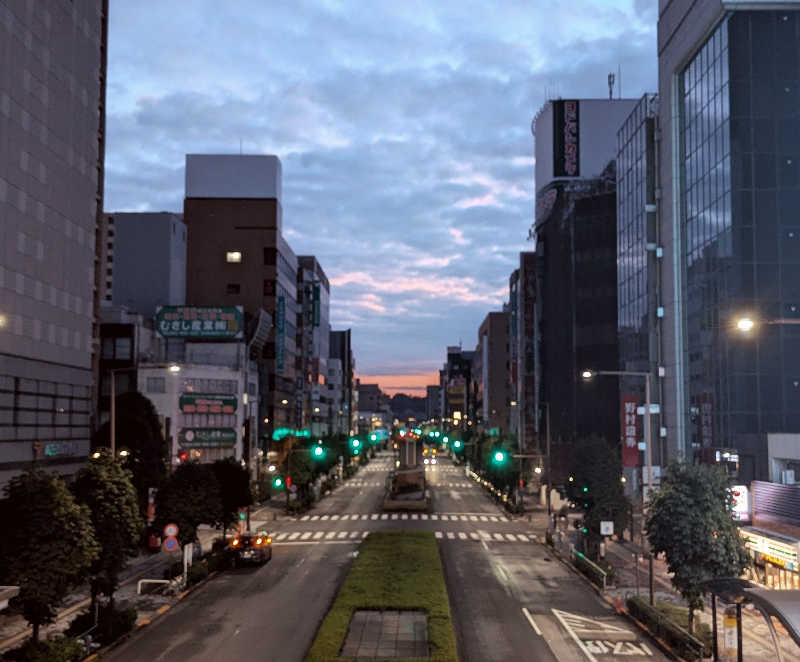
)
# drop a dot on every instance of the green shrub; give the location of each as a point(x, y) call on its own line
point(217, 561)
point(111, 624)
point(63, 649)
point(663, 626)
point(197, 573)
point(175, 569)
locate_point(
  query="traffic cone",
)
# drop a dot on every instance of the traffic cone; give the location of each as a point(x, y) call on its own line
point(619, 605)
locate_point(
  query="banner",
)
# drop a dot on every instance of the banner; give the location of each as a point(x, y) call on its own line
point(199, 403)
point(566, 137)
point(630, 431)
point(207, 437)
point(200, 322)
point(280, 333)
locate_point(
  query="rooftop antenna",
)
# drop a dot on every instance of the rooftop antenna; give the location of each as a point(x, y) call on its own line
point(610, 86)
point(619, 77)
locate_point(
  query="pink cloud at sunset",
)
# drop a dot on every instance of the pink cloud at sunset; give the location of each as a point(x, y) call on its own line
point(410, 384)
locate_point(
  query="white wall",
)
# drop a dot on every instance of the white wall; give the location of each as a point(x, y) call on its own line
point(233, 176)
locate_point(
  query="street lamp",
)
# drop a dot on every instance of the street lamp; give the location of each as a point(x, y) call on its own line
point(648, 450)
point(174, 368)
point(745, 324)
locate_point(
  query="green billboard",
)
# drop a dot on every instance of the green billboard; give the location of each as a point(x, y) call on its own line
point(207, 437)
point(215, 322)
point(201, 403)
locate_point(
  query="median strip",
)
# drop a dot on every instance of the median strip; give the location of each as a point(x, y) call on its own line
point(395, 571)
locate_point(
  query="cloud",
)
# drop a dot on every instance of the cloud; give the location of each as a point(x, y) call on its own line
point(403, 129)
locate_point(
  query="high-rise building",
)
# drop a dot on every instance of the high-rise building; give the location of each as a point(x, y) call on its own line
point(729, 158)
point(491, 361)
point(341, 350)
point(433, 402)
point(236, 255)
point(52, 123)
point(145, 261)
point(456, 378)
point(638, 255)
point(313, 346)
point(576, 294)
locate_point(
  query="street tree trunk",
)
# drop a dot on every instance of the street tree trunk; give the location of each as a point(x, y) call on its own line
point(35, 635)
point(691, 619)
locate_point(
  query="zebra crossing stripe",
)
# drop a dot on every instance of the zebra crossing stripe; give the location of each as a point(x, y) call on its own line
point(293, 536)
point(342, 534)
point(364, 534)
point(334, 518)
point(394, 515)
point(305, 518)
point(306, 535)
point(354, 534)
point(451, 535)
point(330, 535)
point(314, 518)
point(374, 516)
point(498, 536)
point(438, 534)
point(483, 518)
point(473, 535)
point(424, 516)
point(280, 536)
point(462, 535)
point(318, 535)
point(434, 517)
point(511, 537)
point(325, 517)
point(472, 518)
point(484, 535)
point(384, 516)
point(415, 516)
point(522, 537)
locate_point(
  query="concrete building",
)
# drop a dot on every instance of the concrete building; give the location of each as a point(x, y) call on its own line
point(236, 255)
point(52, 123)
point(313, 346)
point(576, 241)
point(341, 350)
point(433, 402)
point(492, 363)
point(458, 393)
point(145, 261)
point(336, 397)
point(524, 404)
point(727, 215)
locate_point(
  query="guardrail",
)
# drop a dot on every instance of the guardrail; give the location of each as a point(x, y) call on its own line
point(579, 559)
point(150, 581)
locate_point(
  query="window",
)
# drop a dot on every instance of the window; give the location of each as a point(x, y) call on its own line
point(232, 288)
point(269, 287)
point(270, 256)
point(108, 348)
point(122, 348)
point(156, 385)
point(233, 257)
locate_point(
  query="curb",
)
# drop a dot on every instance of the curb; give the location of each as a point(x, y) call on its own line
point(661, 644)
point(144, 622)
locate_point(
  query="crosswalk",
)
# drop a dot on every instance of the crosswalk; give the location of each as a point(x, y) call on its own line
point(461, 485)
point(310, 537)
point(360, 482)
point(435, 517)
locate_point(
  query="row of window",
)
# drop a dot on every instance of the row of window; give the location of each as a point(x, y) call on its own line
point(208, 420)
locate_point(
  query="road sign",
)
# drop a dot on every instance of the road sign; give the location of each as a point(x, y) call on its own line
point(170, 544)
point(170, 530)
point(606, 528)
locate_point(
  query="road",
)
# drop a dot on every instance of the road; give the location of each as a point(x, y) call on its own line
point(510, 600)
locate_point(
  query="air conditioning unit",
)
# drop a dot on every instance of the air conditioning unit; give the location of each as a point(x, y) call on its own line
point(787, 477)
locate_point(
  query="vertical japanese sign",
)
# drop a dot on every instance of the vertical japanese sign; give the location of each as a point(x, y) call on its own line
point(316, 304)
point(280, 333)
point(566, 145)
point(706, 419)
point(630, 431)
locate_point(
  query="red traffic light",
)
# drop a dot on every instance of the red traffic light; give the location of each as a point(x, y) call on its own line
point(183, 456)
point(288, 481)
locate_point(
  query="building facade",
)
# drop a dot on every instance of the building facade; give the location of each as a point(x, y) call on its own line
point(236, 255)
point(52, 119)
point(341, 349)
point(728, 84)
point(492, 398)
point(433, 402)
point(313, 346)
point(145, 261)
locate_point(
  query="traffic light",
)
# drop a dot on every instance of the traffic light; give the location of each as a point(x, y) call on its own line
point(242, 515)
point(458, 444)
point(373, 437)
point(317, 452)
point(445, 440)
point(277, 482)
point(500, 457)
point(184, 455)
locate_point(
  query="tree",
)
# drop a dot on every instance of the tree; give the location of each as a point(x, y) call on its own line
point(105, 487)
point(188, 498)
point(689, 520)
point(138, 430)
point(234, 488)
point(47, 545)
point(596, 488)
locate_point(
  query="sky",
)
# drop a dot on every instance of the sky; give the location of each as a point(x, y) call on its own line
point(403, 129)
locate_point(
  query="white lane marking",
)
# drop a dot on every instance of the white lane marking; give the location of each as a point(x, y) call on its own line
point(318, 535)
point(574, 636)
point(335, 517)
point(305, 518)
point(364, 534)
point(531, 621)
point(354, 534)
point(438, 534)
point(424, 516)
point(281, 536)
point(314, 518)
point(485, 546)
point(364, 517)
point(384, 516)
point(484, 535)
point(327, 517)
point(405, 515)
point(375, 515)
point(462, 535)
point(511, 537)
point(522, 537)
point(296, 534)
point(483, 518)
point(451, 535)
point(342, 534)
point(472, 518)
point(498, 536)
point(306, 535)
point(330, 535)
point(473, 535)
point(415, 516)
point(394, 515)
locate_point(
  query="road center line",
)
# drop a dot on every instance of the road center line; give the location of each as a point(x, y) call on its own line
point(531, 621)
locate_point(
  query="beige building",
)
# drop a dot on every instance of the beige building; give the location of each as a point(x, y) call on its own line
point(52, 115)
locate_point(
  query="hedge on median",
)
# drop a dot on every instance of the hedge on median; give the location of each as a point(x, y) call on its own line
point(394, 570)
point(664, 621)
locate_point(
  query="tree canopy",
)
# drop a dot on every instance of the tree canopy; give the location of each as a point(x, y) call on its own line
point(689, 520)
point(234, 489)
point(106, 488)
point(47, 546)
point(188, 498)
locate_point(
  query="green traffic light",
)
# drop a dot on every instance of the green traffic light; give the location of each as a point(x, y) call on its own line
point(242, 516)
point(318, 451)
point(277, 482)
point(457, 444)
point(499, 457)
point(446, 440)
point(373, 437)
point(585, 489)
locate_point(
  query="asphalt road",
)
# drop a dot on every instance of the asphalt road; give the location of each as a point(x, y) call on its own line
point(510, 601)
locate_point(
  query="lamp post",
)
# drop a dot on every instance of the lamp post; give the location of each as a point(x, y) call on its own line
point(648, 451)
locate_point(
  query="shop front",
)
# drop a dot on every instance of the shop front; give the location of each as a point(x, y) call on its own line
point(775, 559)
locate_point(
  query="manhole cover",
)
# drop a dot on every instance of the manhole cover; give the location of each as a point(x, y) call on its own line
point(384, 635)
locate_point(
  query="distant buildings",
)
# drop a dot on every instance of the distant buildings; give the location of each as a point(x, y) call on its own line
point(51, 201)
point(433, 402)
point(344, 389)
point(492, 401)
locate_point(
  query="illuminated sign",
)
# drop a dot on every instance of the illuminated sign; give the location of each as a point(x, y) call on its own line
point(197, 403)
point(207, 437)
point(741, 503)
point(280, 433)
point(566, 145)
point(774, 551)
point(200, 322)
point(630, 431)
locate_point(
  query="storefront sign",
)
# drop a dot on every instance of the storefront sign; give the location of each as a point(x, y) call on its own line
point(198, 403)
point(630, 431)
point(280, 333)
point(566, 132)
point(207, 437)
point(774, 551)
point(741, 503)
point(57, 448)
point(200, 322)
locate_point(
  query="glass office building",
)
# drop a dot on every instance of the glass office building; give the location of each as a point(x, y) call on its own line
point(740, 195)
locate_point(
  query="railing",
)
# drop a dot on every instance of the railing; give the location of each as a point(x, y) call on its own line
point(587, 567)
